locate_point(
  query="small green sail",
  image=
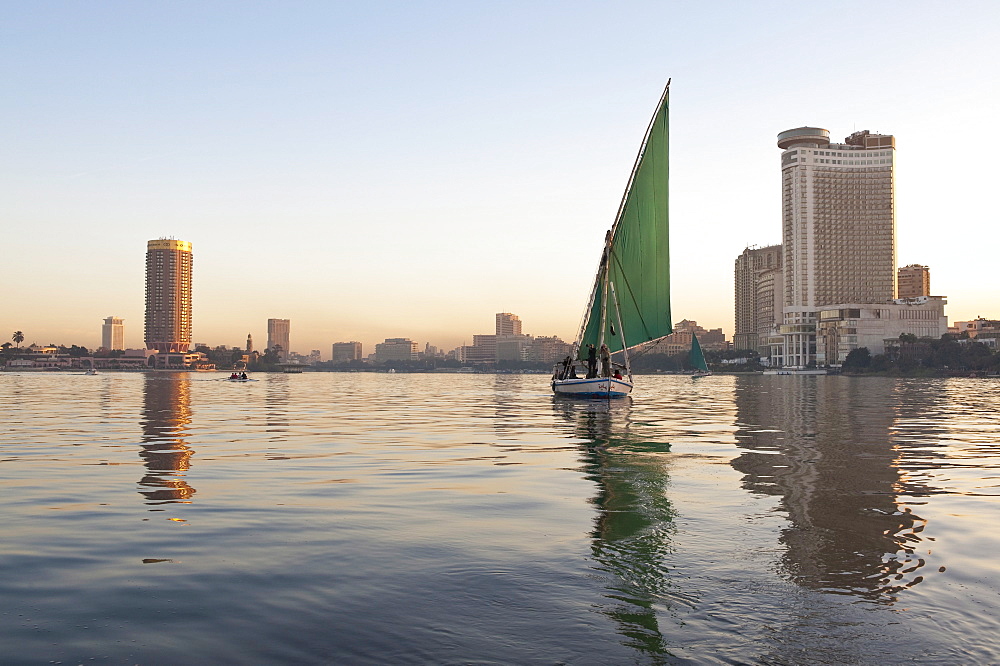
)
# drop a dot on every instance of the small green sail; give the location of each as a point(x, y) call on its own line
point(636, 256)
point(697, 357)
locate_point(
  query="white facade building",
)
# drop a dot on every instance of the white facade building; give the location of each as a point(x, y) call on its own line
point(113, 333)
point(844, 327)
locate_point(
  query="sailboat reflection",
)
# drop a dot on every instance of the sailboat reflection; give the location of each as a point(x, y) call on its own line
point(827, 451)
point(632, 538)
point(166, 415)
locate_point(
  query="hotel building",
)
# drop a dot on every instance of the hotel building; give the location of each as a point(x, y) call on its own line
point(168, 295)
point(113, 334)
point(838, 229)
point(278, 331)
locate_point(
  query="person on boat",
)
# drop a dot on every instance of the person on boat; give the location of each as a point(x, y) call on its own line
point(618, 373)
point(591, 361)
point(232, 376)
point(572, 372)
point(243, 376)
point(605, 361)
point(567, 362)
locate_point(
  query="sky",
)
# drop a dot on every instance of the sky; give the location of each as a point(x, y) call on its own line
point(409, 169)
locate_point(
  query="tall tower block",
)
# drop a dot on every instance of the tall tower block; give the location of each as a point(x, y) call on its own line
point(508, 324)
point(278, 332)
point(168, 295)
point(113, 333)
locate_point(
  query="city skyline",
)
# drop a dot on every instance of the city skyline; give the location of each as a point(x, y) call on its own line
point(382, 199)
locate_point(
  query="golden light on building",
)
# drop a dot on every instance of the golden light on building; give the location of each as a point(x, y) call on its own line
point(168, 295)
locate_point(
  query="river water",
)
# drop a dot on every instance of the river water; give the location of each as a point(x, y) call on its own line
point(452, 519)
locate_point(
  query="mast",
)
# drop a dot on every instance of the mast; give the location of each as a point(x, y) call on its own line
point(604, 296)
point(621, 332)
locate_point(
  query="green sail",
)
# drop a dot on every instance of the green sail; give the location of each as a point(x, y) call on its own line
point(636, 261)
point(697, 356)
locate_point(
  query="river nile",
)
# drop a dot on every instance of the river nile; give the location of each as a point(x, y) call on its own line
point(450, 519)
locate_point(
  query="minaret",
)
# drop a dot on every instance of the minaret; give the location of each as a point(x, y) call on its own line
point(249, 343)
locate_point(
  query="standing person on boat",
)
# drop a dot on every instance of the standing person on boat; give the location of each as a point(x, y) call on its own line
point(591, 361)
point(605, 361)
point(565, 367)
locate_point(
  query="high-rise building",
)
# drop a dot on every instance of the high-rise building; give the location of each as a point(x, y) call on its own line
point(168, 295)
point(249, 343)
point(344, 352)
point(277, 336)
point(113, 333)
point(838, 221)
point(508, 324)
point(755, 310)
point(913, 280)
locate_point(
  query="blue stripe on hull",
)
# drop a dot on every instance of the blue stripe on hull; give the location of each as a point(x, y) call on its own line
point(604, 393)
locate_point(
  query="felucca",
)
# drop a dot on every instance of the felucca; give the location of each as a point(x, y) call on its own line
point(629, 305)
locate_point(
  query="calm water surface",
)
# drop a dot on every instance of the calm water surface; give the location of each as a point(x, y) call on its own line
point(361, 518)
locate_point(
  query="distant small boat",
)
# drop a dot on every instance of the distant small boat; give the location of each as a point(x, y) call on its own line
point(91, 371)
point(697, 357)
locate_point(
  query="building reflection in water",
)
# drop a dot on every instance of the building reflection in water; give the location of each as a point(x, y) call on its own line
point(634, 529)
point(510, 416)
point(276, 406)
point(166, 415)
point(826, 448)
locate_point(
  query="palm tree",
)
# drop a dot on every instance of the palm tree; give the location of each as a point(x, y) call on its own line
point(18, 338)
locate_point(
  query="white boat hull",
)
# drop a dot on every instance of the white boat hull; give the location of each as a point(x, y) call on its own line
point(792, 371)
point(601, 387)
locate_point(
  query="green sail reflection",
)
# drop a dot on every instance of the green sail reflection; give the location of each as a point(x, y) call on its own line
point(633, 536)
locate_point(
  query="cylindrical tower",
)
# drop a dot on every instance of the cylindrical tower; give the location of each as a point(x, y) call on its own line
point(168, 295)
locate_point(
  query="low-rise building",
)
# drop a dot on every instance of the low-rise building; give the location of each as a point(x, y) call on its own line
point(513, 347)
point(842, 328)
point(395, 349)
point(345, 352)
point(549, 349)
point(978, 327)
point(680, 340)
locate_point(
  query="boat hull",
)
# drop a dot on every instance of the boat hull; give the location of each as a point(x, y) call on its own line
point(602, 387)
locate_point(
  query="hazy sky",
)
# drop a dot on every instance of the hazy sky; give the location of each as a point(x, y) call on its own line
point(408, 169)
